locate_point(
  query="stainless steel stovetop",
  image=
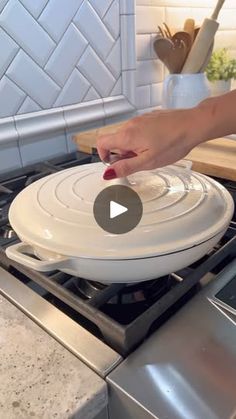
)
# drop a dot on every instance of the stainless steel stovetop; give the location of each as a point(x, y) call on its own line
point(143, 339)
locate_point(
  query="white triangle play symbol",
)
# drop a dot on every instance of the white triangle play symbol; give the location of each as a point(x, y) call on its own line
point(116, 209)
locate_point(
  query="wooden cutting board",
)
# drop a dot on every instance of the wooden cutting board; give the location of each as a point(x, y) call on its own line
point(213, 158)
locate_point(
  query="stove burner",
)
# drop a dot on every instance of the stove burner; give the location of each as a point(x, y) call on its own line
point(143, 292)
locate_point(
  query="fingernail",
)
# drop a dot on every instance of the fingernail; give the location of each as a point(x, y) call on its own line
point(109, 174)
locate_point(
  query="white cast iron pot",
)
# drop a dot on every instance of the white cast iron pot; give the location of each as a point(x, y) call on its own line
point(184, 215)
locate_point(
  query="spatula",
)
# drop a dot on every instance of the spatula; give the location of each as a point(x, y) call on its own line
point(203, 41)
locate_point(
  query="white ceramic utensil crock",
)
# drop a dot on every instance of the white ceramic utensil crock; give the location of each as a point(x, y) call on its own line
point(184, 215)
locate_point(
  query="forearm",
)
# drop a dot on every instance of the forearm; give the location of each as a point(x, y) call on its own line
point(217, 116)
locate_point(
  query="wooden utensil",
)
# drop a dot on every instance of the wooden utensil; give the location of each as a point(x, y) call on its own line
point(208, 57)
point(171, 54)
point(203, 42)
point(189, 26)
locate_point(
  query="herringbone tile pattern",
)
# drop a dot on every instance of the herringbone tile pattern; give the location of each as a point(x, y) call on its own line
point(55, 53)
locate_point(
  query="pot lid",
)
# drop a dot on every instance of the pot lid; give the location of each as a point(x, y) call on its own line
point(181, 209)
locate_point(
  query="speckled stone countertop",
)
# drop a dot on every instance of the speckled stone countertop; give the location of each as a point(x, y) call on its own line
point(39, 378)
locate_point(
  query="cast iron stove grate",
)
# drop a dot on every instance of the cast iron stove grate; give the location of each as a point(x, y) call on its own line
point(98, 315)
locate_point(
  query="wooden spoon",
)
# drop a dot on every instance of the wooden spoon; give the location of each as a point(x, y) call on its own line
point(189, 26)
point(171, 54)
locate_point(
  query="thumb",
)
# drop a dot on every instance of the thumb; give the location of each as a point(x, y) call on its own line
point(127, 166)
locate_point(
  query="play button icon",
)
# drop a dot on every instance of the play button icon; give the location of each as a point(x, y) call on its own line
point(118, 209)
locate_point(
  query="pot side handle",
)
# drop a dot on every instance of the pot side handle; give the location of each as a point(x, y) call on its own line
point(20, 253)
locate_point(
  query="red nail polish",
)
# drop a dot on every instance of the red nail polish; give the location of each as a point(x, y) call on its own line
point(109, 174)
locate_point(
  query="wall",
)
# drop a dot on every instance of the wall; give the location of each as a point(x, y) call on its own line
point(64, 66)
point(150, 14)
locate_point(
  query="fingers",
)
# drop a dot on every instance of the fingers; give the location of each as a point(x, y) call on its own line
point(131, 165)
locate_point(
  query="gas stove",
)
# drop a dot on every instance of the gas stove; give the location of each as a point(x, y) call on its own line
point(104, 324)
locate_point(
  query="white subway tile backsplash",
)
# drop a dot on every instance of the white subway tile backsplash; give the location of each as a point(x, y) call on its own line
point(41, 88)
point(35, 7)
point(117, 89)
point(148, 18)
point(22, 27)
point(127, 7)
point(156, 94)
point(96, 72)
point(128, 52)
point(8, 50)
point(2, 4)
point(9, 156)
point(74, 43)
point(8, 131)
point(28, 106)
point(111, 21)
point(74, 90)
point(129, 85)
point(149, 72)
point(225, 39)
point(113, 61)
point(95, 32)
point(11, 97)
point(101, 6)
point(143, 47)
point(39, 149)
point(56, 16)
point(91, 95)
point(143, 97)
point(33, 125)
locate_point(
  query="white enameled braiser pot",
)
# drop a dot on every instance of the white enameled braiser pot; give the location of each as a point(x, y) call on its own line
point(184, 215)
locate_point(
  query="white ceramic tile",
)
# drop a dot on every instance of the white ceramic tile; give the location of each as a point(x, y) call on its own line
point(143, 47)
point(91, 95)
point(113, 61)
point(8, 131)
point(86, 113)
point(129, 85)
point(127, 7)
point(99, 37)
point(185, 3)
point(39, 149)
point(149, 72)
point(156, 94)
point(74, 90)
point(101, 6)
point(117, 105)
point(112, 19)
point(117, 89)
point(143, 97)
point(2, 4)
point(35, 7)
point(9, 157)
point(225, 39)
point(128, 51)
point(22, 27)
point(24, 72)
point(11, 98)
point(96, 72)
point(8, 50)
point(148, 18)
point(34, 125)
point(57, 16)
point(74, 44)
point(175, 17)
point(28, 106)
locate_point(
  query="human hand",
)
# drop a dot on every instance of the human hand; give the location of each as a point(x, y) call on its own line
point(152, 140)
